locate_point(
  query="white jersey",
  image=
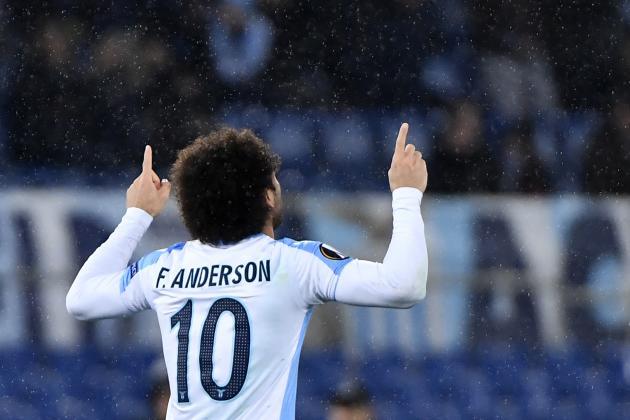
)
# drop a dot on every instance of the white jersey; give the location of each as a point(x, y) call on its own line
point(233, 318)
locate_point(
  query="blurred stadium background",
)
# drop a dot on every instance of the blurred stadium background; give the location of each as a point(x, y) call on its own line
point(521, 108)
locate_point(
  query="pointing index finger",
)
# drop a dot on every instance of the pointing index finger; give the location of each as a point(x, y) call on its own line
point(402, 138)
point(147, 163)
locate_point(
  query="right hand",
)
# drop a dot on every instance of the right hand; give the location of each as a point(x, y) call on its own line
point(147, 192)
point(408, 168)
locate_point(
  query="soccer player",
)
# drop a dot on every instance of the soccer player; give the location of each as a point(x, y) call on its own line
point(233, 304)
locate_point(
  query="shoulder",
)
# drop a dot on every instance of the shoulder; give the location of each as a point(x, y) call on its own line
point(154, 256)
point(146, 262)
point(316, 250)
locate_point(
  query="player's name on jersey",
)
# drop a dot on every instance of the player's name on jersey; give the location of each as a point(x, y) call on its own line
point(214, 275)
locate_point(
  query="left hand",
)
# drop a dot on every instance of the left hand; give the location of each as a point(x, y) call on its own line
point(408, 168)
point(147, 192)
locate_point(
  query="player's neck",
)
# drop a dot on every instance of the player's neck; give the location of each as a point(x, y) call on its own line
point(268, 229)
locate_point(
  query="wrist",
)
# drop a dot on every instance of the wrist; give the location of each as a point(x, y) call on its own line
point(410, 192)
point(406, 197)
point(138, 216)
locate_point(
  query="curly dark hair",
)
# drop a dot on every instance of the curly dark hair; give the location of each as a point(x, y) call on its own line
point(220, 183)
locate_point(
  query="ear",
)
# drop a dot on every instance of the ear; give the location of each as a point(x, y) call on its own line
point(271, 198)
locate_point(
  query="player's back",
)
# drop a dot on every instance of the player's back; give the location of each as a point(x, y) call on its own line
point(232, 321)
point(233, 318)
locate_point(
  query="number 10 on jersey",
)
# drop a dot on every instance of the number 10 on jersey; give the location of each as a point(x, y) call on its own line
point(240, 362)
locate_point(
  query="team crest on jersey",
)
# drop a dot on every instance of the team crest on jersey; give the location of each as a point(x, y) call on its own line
point(331, 253)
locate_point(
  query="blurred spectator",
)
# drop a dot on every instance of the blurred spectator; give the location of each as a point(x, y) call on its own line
point(519, 80)
point(514, 60)
point(462, 162)
point(607, 163)
point(85, 88)
point(521, 168)
point(351, 402)
point(241, 42)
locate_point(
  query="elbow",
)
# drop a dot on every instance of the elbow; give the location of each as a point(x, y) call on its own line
point(410, 292)
point(75, 307)
point(410, 298)
point(417, 295)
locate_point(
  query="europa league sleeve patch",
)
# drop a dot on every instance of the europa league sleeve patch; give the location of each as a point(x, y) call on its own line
point(330, 252)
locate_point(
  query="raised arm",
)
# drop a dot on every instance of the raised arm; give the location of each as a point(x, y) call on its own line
point(400, 280)
point(100, 289)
